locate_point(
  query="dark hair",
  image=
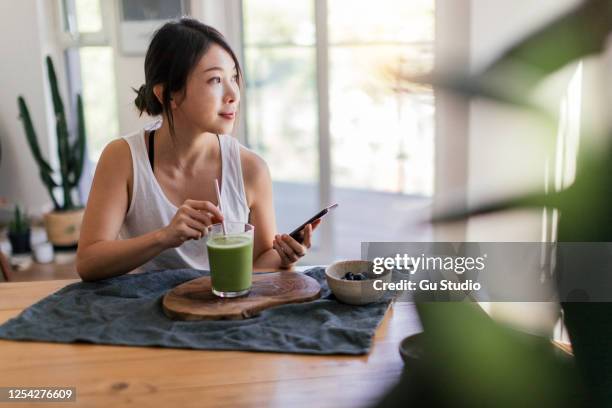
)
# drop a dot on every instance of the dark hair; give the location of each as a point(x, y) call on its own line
point(174, 51)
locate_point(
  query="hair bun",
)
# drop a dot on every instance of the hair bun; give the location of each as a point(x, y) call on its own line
point(141, 99)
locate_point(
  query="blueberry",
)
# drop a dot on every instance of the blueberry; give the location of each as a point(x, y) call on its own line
point(359, 277)
point(348, 276)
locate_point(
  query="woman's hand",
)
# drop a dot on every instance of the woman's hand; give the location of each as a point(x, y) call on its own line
point(191, 221)
point(289, 249)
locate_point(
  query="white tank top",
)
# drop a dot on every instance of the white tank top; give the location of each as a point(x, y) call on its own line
point(150, 209)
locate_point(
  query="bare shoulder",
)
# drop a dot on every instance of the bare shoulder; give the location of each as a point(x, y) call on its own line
point(115, 166)
point(117, 149)
point(109, 195)
point(116, 156)
point(255, 173)
point(254, 166)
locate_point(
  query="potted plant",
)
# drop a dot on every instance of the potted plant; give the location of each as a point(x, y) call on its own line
point(585, 218)
point(19, 232)
point(63, 224)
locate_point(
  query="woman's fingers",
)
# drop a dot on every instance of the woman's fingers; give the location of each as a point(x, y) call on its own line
point(308, 233)
point(204, 217)
point(185, 232)
point(197, 227)
point(191, 221)
point(294, 246)
point(284, 259)
point(206, 206)
point(288, 249)
point(307, 240)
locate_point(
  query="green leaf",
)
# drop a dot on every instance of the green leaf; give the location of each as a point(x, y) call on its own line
point(580, 32)
point(78, 149)
point(532, 200)
point(24, 115)
point(61, 128)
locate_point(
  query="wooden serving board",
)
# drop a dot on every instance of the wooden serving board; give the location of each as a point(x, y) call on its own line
point(194, 300)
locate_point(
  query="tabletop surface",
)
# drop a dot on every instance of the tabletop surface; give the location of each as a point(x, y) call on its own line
point(120, 376)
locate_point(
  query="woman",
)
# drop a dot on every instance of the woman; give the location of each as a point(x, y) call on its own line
point(153, 195)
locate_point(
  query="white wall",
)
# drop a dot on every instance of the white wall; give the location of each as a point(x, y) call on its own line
point(452, 119)
point(507, 147)
point(27, 37)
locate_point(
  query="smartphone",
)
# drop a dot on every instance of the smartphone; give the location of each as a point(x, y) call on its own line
point(296, 232)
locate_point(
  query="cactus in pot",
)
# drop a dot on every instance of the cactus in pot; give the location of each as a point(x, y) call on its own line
point(19, 232)
point(62, 224)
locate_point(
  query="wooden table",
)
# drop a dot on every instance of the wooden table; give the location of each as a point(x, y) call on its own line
point(63, 267)
point(118, 376)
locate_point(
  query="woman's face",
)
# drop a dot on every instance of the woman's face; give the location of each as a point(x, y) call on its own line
point(211, 97)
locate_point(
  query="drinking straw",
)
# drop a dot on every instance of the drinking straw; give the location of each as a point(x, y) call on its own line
point(219, 204)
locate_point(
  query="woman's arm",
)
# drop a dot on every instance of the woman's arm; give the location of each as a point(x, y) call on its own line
point(100, 254)
point(269, 249)
point(258, 188)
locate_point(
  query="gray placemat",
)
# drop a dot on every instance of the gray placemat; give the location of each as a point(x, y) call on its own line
point(127, 310)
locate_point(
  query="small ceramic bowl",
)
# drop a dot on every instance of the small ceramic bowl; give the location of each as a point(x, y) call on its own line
point(355, 292)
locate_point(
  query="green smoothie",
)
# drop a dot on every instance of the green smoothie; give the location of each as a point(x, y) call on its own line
point(231, 264)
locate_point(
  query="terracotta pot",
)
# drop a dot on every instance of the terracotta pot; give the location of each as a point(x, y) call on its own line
point(63, 228)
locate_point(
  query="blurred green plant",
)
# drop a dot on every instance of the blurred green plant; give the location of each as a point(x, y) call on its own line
point(20, 224)
point(586, 216)
point(471, 361)
point(71, 154)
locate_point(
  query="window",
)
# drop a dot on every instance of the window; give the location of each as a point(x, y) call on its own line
point(88, 16)
point(389, 133)
point(326, 111)
point(90, 63)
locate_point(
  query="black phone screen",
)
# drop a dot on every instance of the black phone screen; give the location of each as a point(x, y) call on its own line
point(295, 234)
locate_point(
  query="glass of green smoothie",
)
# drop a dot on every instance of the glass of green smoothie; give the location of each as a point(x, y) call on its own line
point(230, 255)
